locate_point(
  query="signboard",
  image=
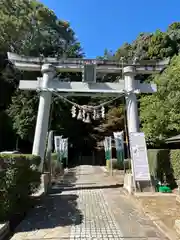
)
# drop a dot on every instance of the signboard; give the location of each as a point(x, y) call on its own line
point(139, 156)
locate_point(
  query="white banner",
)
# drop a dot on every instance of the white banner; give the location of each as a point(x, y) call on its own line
point(64, 147)
point(108, 141)
point(119, 140)
point(57, 143)
point(108, 148)
point(105, 145)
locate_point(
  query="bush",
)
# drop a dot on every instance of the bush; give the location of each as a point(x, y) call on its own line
point(175, 162)
point(163, 162)
point(54, 157)
point(53, 162)
point(159, 163)
point(120, 165)
point(56, 166)
point(19, 178)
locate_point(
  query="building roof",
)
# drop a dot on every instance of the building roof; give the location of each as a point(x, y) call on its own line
point(174, 139)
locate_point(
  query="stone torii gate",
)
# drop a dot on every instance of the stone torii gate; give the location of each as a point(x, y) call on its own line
point(88, 87)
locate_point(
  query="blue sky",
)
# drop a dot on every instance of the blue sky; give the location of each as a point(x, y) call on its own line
point(101, 24)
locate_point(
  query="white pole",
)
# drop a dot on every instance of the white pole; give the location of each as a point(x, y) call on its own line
point(42, 122)
point(131, 100)
point(131, 105)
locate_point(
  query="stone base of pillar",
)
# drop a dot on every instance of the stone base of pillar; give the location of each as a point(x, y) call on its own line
point(45, 182)
point(128, 182)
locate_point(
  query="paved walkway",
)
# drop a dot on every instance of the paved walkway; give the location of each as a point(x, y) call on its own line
point(89, 205)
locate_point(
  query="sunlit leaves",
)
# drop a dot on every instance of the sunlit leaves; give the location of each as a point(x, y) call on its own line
point(160, 112)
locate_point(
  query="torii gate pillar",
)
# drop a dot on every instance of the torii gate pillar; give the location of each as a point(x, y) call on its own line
point(131, 100)
point(42, 122)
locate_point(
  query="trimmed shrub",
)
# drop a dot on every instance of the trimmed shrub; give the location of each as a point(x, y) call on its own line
point(19, 178)
point(175, 162)
point(159, 163)
point(56, 166)
point(162, 163)
point(120, 165)
point(54, 157)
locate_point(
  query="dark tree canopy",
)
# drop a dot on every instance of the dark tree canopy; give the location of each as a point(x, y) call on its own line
point(30, 28)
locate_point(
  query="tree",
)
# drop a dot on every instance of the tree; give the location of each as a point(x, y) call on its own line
point(173, 32)
point(124, 52)
point(114, 122)
point(23, 114)
point(160, 114)
point(161, 46)
point(29, 28)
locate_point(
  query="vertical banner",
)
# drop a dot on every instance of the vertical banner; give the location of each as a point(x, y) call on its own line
point(119, 143)
point(58, 146)
point(64, 147)
point(108, 150)
point(66, 150)
point(105, 148)
point(63, 150)
point(57, 141)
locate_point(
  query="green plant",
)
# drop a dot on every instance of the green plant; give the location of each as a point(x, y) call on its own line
point(19, 178)
point(120, 165)
point(175, 162)
point(161, 165)
point(54, 157)
point(55, 164)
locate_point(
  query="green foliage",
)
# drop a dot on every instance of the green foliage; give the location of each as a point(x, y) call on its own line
point(175, 161)
point(114, 122)
point(159, 113)
point(121, 165)
point(159, 163)
point(56, 165)
point(54, 157)
point(161, 46)
point(125, 52)
point(23, 112)
point(29, 28)
point(19, 178)
point(156, 45)
point(164, 162)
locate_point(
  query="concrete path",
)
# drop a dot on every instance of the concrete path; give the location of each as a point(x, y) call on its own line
point(88, 205)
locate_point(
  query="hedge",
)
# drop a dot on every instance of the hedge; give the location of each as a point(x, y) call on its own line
point(164, 162)
point(56, 167)
point(19, 178)
point(175, 162)
point(121, 165)
point(54, 157)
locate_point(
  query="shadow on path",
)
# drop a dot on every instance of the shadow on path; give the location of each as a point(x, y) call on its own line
point(59, 210)
point(64, 188)
point(54, 210)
